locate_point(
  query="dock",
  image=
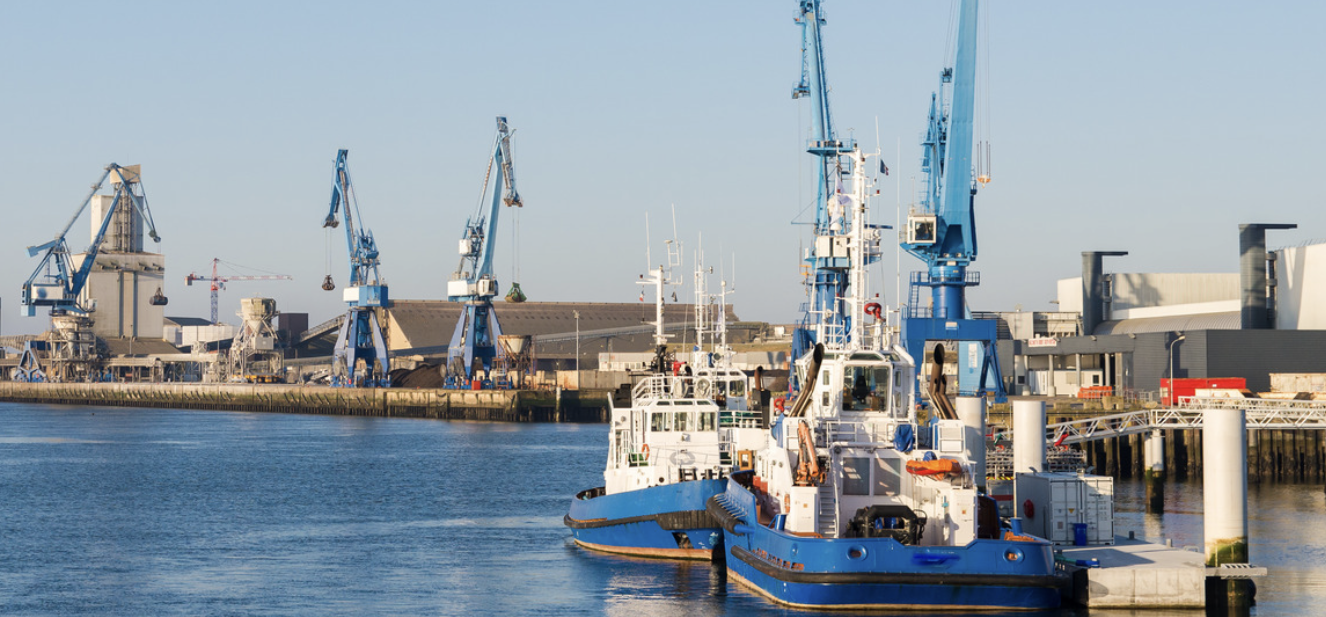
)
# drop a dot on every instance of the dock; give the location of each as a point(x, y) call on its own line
point(438, 403)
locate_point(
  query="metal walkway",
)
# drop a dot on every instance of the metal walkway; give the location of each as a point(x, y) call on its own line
point(1261, 414)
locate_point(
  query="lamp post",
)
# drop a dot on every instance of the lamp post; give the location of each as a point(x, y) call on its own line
point(1173, 400)
point(577, 316)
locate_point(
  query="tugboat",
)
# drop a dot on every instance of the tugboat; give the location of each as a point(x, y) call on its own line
point(669, 450)
point(855, 504)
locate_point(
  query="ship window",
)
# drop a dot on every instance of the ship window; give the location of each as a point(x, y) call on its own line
point(683, 421)
point(707, 420)
point(888, 476)
point(738, 388)
point(659, 422)
point(856, 475)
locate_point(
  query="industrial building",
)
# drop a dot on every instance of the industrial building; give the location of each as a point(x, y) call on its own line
point(1128, 331)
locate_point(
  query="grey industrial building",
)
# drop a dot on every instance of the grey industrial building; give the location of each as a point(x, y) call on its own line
point(1124, 330)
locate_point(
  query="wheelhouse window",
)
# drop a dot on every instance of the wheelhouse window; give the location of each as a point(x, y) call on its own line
point(866, 387)
point(658, 422)
point(708, 420)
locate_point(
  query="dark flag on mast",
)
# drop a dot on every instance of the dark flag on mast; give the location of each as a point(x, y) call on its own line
point(884, 169)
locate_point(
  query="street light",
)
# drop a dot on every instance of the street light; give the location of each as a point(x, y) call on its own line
point(1173, 400)
point(577, 316)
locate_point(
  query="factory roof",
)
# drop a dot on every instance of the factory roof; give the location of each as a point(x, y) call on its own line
point(138, 346)
point(187, 321)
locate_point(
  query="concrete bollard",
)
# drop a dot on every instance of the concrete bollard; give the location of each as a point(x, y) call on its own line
point(1028, 436)
point(1225, 495)
point(1153, 472)
point(971, 411)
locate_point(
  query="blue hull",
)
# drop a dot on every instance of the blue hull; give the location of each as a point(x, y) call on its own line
point(881, 573)
point(666, 521)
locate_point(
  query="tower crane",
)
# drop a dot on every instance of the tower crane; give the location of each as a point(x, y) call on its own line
point(360, 337)
point(473, 283)
point(218, 282)
point(828, 257)
point(942, 231)
point(58, 280)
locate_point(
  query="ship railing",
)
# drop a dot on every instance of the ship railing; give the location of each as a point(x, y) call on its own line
point(680, 456)
point(663, 386)
point(860, 432)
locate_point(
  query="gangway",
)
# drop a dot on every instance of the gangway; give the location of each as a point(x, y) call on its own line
point(1261, 414)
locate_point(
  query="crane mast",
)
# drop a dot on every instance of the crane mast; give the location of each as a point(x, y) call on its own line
point(360, 355)
point(473, 283)
point(942, 231)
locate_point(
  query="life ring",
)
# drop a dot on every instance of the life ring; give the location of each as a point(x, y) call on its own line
point(787, 504)
point(874, 310)
point(779, 403)
point(645, 451)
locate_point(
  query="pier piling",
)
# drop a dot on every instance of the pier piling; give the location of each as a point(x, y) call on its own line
point(1153, 470)
point(1225, 501)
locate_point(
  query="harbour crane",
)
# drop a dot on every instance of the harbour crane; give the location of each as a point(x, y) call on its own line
point(828, 257)
point(360, 337)
point(941, 232)
point(218, 281)
point(58, 279)
point(473, 283)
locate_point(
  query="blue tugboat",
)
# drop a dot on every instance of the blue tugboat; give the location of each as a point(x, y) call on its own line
point(852, 504)
point(668, 452)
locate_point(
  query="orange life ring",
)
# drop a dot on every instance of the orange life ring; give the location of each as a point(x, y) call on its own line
point(779, 403)
point(645, 451)
point(874, 310)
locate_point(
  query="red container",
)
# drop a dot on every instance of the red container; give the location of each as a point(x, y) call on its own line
point(1190, 386)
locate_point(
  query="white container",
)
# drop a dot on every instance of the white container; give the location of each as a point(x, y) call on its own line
point(1059, 501)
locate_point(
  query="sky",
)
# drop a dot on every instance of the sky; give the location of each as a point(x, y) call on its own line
point(1152, 128)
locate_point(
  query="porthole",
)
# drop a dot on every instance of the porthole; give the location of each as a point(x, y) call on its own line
point(856, 553)
point(1013, 555)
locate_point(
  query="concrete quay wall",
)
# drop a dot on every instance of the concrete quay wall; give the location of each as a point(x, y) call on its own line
point(482, 405)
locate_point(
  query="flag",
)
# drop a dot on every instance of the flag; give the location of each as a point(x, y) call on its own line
point(884, 169)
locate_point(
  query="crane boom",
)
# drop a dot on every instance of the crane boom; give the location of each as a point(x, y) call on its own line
point(218, 282)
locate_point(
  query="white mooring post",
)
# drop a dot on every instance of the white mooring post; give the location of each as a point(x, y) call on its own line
point(1028, 436)
point(971, 411)
point(1153, 451)
point(1225, 494)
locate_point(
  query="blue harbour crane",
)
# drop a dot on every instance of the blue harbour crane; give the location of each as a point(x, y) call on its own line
point(827, 258)
point(58, 280)
point(360, 356)
point(473, 283)
point(941, 232)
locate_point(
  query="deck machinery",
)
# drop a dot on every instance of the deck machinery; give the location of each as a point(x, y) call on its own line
point(942, 231)
point(473, 283)
point(360, 355)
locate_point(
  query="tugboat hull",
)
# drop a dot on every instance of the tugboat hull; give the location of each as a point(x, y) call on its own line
point(667, 521)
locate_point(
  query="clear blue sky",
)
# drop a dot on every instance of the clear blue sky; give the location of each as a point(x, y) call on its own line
point(1149, 127)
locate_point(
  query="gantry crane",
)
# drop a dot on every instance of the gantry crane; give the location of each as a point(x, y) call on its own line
point(58, 281)
point(828, 258)
point(218, 281)
point(942, 231)
point(360, 336)
point(473, 283)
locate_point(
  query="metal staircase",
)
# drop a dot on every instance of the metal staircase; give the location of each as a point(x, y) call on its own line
point(827, 524)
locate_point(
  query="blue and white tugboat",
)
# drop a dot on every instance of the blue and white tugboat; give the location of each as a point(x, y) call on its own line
point(844, 509)
point(668, 452)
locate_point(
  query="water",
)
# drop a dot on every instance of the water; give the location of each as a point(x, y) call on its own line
point(113, 511)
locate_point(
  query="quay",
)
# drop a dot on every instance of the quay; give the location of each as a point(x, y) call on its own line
point(553, 405)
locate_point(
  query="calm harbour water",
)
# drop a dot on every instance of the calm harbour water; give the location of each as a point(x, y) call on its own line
point(112, 511)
